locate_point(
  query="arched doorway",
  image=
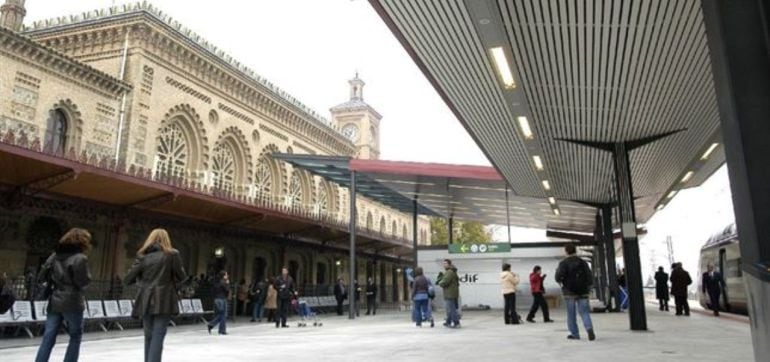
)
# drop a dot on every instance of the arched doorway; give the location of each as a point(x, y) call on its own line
point(321, 274)
point(42, 237)
point(293, 269)
point(259, 270)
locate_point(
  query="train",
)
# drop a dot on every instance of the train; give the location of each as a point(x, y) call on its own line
point(723, 251)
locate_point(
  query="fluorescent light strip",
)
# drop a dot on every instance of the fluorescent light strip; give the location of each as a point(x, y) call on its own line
point(503, 68)
point(546, 185)
point(672, 194)
point(709, 151)
point(552, 200)
point(687, 176)
point(526, 130)
point(538, 162)
point(556, 212)
point(661, 206)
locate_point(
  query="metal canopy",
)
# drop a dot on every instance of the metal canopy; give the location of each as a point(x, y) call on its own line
point(599, 71)
point(337, 169)
point(475, 193)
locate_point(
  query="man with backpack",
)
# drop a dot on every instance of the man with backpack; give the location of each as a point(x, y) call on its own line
point(575, 278)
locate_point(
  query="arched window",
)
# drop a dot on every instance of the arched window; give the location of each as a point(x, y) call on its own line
point(223, 168)
point(263, 180)
point(294, 197)
point(404, 232)
point(382, 225)
point(369, 221)
point(172, 151)
point(321, 206)
point(56, 131)
point(394, 229)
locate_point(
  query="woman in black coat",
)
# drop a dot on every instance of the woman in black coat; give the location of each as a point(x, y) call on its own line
point(158, 272)
point(66, 273)
point(661, 288)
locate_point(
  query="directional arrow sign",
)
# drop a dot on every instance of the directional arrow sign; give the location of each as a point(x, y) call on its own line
point(479, 248)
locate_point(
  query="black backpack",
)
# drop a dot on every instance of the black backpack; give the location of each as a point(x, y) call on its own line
point(7, 298)
point(578, 279)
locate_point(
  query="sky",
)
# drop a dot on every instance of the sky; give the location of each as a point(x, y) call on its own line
point(311, 48)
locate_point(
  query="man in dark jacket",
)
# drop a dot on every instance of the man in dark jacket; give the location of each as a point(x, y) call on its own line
point(258, 294)
point(221, 295)
point(575, 278)
point(371, 297)
point(450, 283)
point(680, 279)
point(713, 283)
point(340, 294)
point(661, 288)
point(66, 270)
point(284, 285)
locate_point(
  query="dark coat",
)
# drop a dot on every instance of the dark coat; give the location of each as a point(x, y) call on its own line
point(67, 270)
point(340, 292)
point(713, 284)
point(371, 291)
point(158, 275)
point(421, 285)
point(680, 279)
point(221, 289)
point(285, 287)
point(258, 292)
point(661, 285)
point(571, 267)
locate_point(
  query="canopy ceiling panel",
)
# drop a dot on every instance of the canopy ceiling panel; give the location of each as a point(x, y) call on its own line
point(598, 71)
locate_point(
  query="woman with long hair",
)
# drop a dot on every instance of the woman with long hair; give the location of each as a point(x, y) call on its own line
point(66, 276)
point(158, 272)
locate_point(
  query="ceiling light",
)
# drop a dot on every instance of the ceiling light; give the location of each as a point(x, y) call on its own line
point(661, 206)
point(672, 194)
point(556, 212)
point(687, 176)
point(546, 185)
point(503, 68)
point(538, 162)
point(552, 200)
point(526, 130)
point(709, 151)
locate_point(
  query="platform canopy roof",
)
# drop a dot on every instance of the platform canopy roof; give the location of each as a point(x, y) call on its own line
point(475, 193)
point(526, 78)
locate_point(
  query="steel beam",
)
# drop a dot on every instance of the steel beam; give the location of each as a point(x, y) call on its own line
point(353, 219)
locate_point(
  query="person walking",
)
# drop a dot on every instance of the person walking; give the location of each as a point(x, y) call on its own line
point(450, 283)
point(371, 297)
point(243, 297)
point(421, 297)
point(284, 284)
point(536, 285)
point(576, 279)
point(509, 281)
point(258, 294)
point(221, 295)
point(680, 279)
point(661, 288)
point(340, 294)
point(66, 273)
point(157, 271)
point(712, 284)
point(357, 300)
point(271, 302)
point(623, 289)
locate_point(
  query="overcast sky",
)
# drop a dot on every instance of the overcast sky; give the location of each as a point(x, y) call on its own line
point(310, 48)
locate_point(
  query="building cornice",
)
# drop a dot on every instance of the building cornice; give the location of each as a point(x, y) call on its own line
point(23, 48)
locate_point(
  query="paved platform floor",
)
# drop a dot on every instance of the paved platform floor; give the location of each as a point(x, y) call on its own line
point(390, 337)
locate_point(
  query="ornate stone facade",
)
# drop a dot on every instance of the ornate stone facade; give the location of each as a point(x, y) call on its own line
point(129, 84)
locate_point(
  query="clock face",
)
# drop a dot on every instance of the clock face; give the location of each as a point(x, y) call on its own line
point(351, 132)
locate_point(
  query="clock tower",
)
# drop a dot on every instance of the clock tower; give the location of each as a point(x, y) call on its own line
point(359, 122)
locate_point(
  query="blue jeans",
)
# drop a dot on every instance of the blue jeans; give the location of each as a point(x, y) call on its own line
point(583, 309)
point(623, 298)
point(452, 317)
point(154, 333)
point(421, 311)
point(52, 324)
point(221, 317)
point(256, 313)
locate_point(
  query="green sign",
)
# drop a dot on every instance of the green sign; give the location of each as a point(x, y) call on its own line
point(479, 248)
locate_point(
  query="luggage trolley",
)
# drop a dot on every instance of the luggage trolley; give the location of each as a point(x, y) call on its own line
point(306, 314)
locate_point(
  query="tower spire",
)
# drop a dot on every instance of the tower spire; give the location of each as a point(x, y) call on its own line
point(356, 88)
point(12, 15)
